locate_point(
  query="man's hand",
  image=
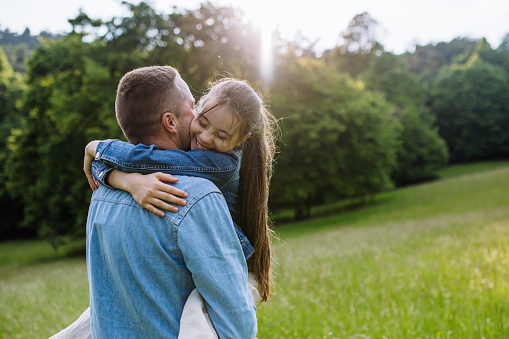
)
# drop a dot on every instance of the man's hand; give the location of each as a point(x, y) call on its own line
point(87, 163)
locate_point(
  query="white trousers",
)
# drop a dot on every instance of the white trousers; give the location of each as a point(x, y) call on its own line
point(194, 324)
point(80, 329)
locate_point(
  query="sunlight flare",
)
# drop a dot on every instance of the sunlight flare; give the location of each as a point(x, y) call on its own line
point(267, 54)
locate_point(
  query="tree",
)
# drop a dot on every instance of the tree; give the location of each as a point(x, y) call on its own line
point(504, 45)
point(361, 35)
point(141, 38)
point(359, 48)
point(389, 74)
point(18, 48)
point(338, 140)
point(427, 60)
point(499, 56)
point(70, 100)
point(219, 41)
point(422, 152)
point(11, 91)
point(471, 107)
point(201, 43)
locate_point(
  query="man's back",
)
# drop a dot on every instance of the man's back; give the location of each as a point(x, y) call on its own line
point(142, 267)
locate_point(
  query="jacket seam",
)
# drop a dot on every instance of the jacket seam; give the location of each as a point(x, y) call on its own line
point(167, 168)
point(177, 220)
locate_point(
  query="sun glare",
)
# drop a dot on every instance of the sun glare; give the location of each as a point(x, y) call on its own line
point(265, 20)
point(267, 54)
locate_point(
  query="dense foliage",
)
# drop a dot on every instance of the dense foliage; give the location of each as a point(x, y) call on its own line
point(471, 104)
point(11, 91)
point(354, 120)
point(338, 140)
point(421, 152)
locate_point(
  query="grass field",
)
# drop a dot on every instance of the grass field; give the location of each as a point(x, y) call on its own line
point(428, 261)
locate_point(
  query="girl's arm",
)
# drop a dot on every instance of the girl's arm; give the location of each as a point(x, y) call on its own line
point(220, 168)
point(87, 164)
point(149, 191)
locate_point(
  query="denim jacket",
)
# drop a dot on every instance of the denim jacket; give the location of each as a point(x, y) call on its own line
point(220, 168)
point(142, 267)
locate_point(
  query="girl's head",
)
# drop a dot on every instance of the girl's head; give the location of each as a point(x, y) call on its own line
point(227, 115)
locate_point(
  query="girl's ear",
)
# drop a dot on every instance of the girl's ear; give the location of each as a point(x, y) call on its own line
point(169, 122)
point(241, 141)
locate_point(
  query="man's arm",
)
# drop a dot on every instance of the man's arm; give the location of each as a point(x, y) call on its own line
point(216, 261)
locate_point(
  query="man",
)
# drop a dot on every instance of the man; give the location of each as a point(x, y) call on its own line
point(142, 267)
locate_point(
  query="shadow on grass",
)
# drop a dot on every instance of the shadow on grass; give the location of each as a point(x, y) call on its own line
point(24, 253)
point(327, 216)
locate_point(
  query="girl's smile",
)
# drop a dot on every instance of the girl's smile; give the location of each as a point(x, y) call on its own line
point(216, 130)
point(200, 146)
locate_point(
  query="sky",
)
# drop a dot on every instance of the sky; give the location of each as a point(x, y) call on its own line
point(402, 23)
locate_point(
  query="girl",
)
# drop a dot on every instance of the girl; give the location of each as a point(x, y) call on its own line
point(232, 120)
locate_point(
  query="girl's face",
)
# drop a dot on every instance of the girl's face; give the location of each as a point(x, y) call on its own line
point(217, 130)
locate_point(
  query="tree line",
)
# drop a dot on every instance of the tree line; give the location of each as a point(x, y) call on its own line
point(354, 120)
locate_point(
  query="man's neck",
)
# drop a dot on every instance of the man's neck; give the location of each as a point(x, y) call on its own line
point(160, 142)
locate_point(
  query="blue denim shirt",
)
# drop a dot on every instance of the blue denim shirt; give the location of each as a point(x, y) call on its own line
point(142, 267)
point(220, 168)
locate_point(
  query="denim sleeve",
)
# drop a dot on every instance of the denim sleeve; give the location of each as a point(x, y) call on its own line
point(220, 168)
point(99, 171)
point(214, 257)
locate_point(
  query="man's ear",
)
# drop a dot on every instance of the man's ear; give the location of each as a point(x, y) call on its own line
point(247, 136)
point(169, 122)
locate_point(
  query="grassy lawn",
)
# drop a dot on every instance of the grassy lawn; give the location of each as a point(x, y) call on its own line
point(428, 261)
point(40, 292)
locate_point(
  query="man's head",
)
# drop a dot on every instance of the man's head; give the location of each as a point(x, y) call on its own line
point(155, 106)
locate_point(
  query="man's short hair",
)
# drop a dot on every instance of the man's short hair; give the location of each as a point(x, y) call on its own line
point(143, 96)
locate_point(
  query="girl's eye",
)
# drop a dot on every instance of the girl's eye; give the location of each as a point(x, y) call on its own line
point(201, 123)
point(221, 137)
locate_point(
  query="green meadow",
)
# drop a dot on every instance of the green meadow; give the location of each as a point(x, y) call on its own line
point(427, 261)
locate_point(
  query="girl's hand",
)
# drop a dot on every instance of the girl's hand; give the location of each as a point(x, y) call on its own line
point(87, 163)
point(150, 191)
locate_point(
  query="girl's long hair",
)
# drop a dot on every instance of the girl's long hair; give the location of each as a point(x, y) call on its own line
point(255, 171)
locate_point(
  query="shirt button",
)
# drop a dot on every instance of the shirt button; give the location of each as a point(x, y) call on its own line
point(101, 174)
point(97, 156)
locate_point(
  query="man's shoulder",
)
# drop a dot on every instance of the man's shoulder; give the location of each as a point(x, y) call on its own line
point(205, 201)
point(195, 186)
point(104, 193)
point(198, 189)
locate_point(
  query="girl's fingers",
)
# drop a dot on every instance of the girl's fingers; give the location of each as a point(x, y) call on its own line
point(91, 181)
point(93, 184)
point(87, 168)
point(164, 205)
point(168, 197)
point(155, 206)
point(171, 190)
point(157, 195)
point(166, 177)
point(154, 210)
